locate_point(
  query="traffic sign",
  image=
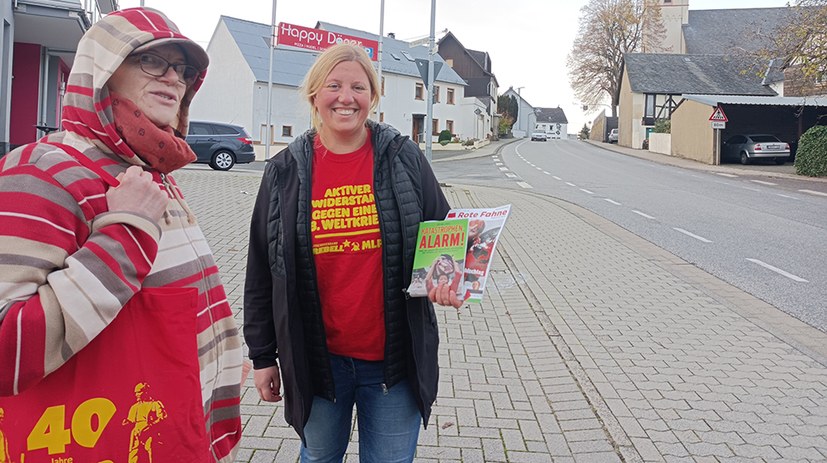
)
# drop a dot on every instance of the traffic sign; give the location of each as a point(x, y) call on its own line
point(422, 64)
point(718, 125)
point(718, 115)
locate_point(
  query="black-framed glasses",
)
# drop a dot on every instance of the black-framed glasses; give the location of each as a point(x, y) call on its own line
point(156, 66)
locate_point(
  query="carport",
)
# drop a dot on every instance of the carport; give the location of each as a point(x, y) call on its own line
point(785, 117)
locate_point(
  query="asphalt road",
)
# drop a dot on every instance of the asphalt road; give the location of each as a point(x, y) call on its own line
point(764, 235)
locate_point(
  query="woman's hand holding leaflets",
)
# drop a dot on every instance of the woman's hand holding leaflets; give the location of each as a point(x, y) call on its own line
point(443, 294)
point(137, 194)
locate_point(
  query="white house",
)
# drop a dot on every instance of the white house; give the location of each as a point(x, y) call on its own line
point(235, 89)
point(553, 122)
point(526, 116)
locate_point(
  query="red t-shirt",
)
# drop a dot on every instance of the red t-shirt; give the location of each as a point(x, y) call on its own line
point(347, 248)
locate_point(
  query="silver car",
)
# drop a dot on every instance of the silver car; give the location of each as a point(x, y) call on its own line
point(747, 148)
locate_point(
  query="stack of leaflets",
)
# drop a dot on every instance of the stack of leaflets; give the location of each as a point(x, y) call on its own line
point(439, 256)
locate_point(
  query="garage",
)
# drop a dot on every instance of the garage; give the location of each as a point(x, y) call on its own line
point(785, 117)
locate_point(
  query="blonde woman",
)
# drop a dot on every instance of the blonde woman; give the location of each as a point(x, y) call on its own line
point(331, 251)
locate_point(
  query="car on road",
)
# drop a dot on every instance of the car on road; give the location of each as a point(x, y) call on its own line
point(613, 135)
point(747, 148)
point(539, 136)
point(220, 145)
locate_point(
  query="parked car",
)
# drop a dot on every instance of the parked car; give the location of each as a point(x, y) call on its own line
point(749, 147)
point(613, 135)
point(220, 145)
point(539, 136)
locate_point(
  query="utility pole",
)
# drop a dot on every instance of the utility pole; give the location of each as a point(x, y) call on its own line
point(429, 120)
point(268, 130)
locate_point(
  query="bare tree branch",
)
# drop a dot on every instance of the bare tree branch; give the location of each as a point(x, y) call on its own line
point(607, 30)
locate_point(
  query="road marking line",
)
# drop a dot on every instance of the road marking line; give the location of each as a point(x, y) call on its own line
point(643, 215)
point(611, 201)
point(763, 182)
point(547, 173)
point(556, 178)
point(538, 168)
point(813, 192)
point(699, 238)
point(778, 271)
point(503, 169)
point(726, 175)
point(570, 184)
point(586, 191)
point(787, 196)
point(525, 185)
point(510, 175)
point(499, 164)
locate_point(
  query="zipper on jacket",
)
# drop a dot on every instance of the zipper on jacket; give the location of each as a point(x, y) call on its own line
point(307, 151)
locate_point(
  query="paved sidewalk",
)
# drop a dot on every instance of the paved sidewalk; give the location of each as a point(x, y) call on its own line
point(591, 345)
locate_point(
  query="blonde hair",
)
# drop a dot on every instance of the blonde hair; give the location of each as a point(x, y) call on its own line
point(329, 59)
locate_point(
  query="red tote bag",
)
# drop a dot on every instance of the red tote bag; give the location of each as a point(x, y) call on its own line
point(133, 395)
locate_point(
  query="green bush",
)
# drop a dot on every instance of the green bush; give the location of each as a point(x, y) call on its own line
point(444, 137)
point(663, 126)
point(811, 157)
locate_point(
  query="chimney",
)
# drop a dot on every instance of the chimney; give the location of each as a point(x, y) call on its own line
point(392, 35)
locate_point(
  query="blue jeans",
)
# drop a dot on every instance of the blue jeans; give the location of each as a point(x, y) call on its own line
point(388, 420)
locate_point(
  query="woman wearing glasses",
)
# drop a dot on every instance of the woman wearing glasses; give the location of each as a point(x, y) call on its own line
point(91, 222)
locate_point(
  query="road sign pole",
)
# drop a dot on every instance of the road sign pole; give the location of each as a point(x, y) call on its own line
point(429, 122)
point(717, 157)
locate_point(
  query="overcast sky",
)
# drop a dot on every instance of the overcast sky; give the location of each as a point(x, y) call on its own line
point(528, 40)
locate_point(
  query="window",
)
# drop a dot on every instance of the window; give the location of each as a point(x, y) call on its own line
point(420, 90)
point(408, 56)
point(199, 129)
point(435, 129)
point(821, 75)
point(287, 131)
point(224, 130)
point(449, 125)
point(450, 96)
point(382, 117)
point(436, 93)
point(450, 62)
point(383, 86)
point(649, 108)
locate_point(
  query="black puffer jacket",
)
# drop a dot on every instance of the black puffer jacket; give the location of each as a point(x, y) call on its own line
point(282, 312)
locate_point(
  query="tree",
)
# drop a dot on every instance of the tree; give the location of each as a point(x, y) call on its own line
point(509, 109)
point(585, 132)
point(802, 41)
point(607, 30)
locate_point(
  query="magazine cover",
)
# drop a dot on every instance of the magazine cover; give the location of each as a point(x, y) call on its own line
point(440, 256)
point(484, 228)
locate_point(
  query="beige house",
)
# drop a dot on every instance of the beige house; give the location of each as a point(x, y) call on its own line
point(702, 64)
point(652, 85)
